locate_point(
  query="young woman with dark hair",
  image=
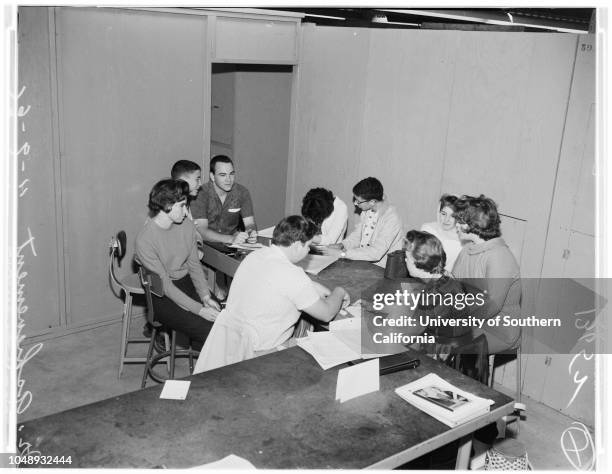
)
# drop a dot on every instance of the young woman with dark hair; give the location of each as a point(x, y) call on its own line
point(167, 246)
point(328, 212)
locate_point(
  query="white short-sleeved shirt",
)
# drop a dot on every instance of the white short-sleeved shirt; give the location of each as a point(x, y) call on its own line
point(269, 292)
point(334, 227)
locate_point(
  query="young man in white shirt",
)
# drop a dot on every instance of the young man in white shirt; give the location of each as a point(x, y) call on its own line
point(268, 294)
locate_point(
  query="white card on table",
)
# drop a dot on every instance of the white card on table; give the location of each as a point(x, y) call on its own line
point(175, 389)
point(358, 380)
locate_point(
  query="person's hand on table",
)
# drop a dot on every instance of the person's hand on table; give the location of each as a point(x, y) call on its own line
point(240, 238)
point(252, 236)
point(333, 250)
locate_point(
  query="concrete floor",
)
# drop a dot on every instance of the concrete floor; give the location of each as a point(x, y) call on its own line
point(82, 368)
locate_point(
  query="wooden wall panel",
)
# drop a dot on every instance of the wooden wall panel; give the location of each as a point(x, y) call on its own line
point(329, 112)
point(507, 114)
point(131, 104)
point(255, 41)
point(409, 86)
point(37, 209)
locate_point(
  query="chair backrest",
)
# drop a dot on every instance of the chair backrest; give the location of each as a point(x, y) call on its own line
point(152, 284)
point(117, 252)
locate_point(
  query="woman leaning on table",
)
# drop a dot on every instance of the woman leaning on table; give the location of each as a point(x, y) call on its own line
point(489, 264)
point(167, 246)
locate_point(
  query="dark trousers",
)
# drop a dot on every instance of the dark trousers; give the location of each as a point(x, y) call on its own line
point(171, 315)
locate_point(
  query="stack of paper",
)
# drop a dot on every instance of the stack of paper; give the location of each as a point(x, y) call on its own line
point(327, 349)
point(246, 246)
point(442, 400)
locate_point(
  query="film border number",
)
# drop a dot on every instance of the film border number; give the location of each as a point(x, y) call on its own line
point(31, 459)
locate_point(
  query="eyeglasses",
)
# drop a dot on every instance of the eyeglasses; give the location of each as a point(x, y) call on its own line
point(357, 203)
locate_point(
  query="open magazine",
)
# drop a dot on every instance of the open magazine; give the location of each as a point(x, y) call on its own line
point(442, 400)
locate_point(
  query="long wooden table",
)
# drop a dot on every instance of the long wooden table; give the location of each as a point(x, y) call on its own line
point(277, 411)
point(355, 276)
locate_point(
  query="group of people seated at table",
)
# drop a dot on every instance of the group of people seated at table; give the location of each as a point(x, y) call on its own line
point(269, 291)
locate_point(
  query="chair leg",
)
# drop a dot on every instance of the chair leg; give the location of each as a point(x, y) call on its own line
point(519, 388)
point(149, 355)
point(168, 348)
point(172, 353)
point(190, 359)
point(125, 327)
point(519, 374)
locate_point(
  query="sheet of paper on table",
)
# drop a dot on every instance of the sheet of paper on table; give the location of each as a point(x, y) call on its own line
point(358, 380)
point(267, 232)
point(327, 349)
point(230, 461)
point(246, 246)
point(313, 264)
point(348, 330)
point(175, 389)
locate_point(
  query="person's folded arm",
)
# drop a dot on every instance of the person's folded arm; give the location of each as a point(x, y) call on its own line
point(499, 278)
point(150, 260)
point(385, 235)
point(325, 309)
point(196, 272)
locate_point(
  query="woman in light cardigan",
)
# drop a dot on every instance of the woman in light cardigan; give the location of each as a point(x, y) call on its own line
point(379, 230)
point(487, 262)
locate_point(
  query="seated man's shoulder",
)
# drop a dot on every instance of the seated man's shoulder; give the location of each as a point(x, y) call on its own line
point(240, 189)
point(205, 193)
point(393, 213)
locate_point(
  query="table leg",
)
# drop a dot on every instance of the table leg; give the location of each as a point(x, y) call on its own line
point(463, 453)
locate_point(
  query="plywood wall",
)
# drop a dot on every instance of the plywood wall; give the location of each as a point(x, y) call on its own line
point(126, 114)
point(37, 207)
point(328, 115)
point(429, 112)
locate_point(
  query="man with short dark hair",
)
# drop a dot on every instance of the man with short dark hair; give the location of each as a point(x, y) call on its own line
point(267, 295)
point(221, 204)
point(191, 173)
point(379, 230)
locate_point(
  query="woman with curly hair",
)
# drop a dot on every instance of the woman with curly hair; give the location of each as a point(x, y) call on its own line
point(489, 264)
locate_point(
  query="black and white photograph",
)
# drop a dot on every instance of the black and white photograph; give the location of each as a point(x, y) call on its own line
point(202, 201)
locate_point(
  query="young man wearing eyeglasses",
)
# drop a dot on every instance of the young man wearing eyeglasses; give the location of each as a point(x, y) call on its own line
point(379, 230)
